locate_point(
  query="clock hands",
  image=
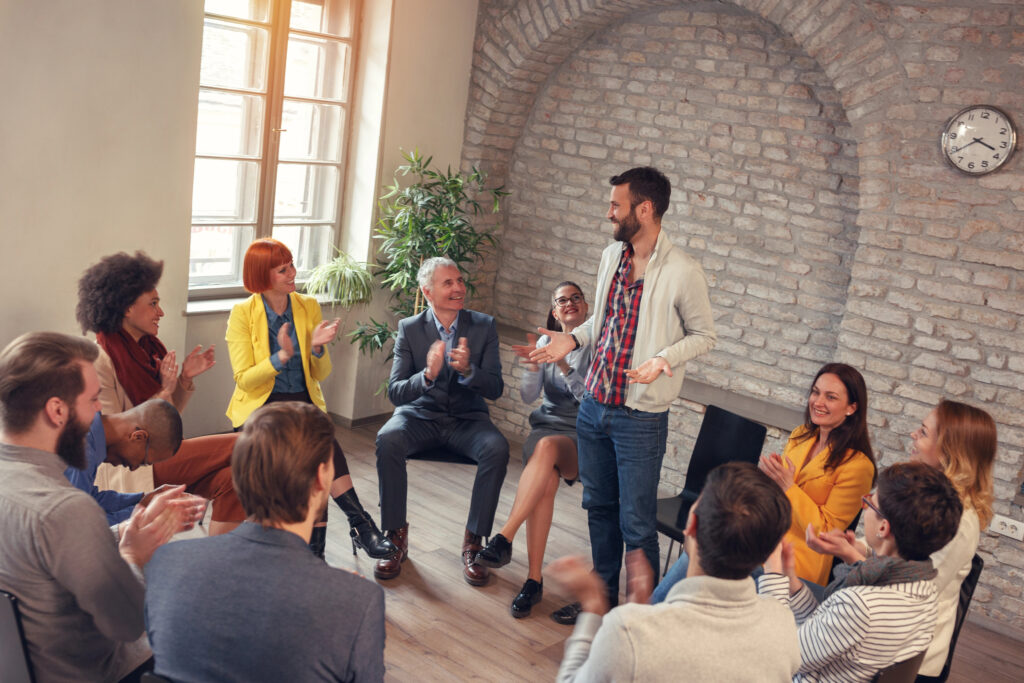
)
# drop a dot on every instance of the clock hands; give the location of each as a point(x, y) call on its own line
point(980, 141)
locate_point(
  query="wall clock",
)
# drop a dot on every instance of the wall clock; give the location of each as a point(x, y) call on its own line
point(979, 139)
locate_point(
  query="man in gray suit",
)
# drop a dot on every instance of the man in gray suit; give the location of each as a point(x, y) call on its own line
point(446, 364)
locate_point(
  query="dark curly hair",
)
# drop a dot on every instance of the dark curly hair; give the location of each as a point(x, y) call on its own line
point(107, 289)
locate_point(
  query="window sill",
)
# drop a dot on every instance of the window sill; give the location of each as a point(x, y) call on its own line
point(204, 306)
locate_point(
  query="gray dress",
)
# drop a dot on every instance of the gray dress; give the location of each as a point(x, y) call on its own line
point(556, 416)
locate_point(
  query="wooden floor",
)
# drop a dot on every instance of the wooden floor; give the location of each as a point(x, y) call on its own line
point(439, 628)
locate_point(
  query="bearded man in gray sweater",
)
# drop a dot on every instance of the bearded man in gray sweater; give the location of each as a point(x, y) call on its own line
point(712, 626)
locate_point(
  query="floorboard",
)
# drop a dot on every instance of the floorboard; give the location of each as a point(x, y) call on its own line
point(439, 628)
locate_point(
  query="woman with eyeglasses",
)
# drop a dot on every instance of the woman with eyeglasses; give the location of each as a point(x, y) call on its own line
point(959, 440)
point(550, 449)
point(118, 300)
point(882, 609)
point(827, 465)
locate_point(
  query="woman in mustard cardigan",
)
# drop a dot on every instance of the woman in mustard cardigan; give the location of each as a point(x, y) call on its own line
point(276, 340)
point(826, 467)
point(827, 464)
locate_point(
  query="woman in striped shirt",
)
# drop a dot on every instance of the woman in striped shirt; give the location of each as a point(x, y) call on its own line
point(881, 610)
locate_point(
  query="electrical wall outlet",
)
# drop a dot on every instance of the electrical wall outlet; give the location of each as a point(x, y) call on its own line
point(1007, 527)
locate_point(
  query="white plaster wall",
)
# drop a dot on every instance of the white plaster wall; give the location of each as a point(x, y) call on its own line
point(97, 134)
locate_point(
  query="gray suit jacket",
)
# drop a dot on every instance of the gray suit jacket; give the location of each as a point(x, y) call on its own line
point(408, 388)
point(256, 605)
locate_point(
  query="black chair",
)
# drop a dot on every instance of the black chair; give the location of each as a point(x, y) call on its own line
point(441, 454)
point(723, 437)
point(900, 672)
point(966, 593)
point(15, 666)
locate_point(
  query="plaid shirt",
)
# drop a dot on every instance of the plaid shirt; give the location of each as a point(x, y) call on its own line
point(606, 381)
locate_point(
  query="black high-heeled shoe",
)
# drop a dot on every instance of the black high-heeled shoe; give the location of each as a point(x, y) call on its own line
point(364, 531)
point(318, 541)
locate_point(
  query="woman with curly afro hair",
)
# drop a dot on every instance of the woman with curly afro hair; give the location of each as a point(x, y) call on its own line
point(118, 300)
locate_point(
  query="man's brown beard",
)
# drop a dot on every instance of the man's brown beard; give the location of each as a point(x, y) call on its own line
point(71, 442)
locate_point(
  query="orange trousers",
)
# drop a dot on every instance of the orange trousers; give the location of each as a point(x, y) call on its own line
point(203, 465)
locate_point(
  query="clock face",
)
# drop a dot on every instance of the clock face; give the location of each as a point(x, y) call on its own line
point(979, 139)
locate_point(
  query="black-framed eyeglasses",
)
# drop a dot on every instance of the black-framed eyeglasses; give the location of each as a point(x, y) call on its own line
point(563, 301)
point(866, 502)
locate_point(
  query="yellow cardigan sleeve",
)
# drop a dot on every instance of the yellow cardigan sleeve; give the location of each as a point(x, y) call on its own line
point(319, 368)
point(831, 500)
point(252, 370)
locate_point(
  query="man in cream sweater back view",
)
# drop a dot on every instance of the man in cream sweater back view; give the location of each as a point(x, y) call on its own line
point(712, 626)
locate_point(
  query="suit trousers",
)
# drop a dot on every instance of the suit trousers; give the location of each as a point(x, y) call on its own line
point(203, 464)
point(478, 440)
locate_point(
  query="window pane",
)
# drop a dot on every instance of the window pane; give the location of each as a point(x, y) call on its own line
point(234, 55)
point(316, 68)
point(256, 10)
point(306, 193)
point(323, 16)
point(311, 131)
point(309, 244)
point(229, 124)
point(224, 191)
point(216, 253)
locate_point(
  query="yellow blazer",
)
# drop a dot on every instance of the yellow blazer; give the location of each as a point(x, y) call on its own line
point(825, 499)
point(248, 339)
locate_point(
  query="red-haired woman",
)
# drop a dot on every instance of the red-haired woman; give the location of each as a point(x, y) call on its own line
point(276, 340)
point(117, 299)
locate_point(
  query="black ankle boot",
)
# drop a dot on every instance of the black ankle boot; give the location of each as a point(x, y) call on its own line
point(318, 540)
point(364, 531)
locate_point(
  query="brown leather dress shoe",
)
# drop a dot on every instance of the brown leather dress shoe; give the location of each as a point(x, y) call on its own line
point(475, 574)
point(390, 567)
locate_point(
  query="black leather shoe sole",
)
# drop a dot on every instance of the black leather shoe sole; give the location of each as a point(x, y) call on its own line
point(567, 615)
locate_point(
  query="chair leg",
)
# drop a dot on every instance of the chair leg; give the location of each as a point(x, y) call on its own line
point(668, 557)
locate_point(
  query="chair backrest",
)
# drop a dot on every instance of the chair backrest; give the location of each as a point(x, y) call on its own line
point(901, 672)
point(723, 437)
point(966, 593)
point(14, 663)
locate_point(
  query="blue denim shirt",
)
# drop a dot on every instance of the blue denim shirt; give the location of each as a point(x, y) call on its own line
point(117, 506)
point(290, 377)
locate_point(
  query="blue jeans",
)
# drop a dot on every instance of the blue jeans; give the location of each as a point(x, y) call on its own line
point(620, 453)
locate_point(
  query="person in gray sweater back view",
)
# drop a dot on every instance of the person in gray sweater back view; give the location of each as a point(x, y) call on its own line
point(312, 622)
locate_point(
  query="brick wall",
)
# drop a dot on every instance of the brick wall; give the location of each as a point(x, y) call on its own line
point(801, 139)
